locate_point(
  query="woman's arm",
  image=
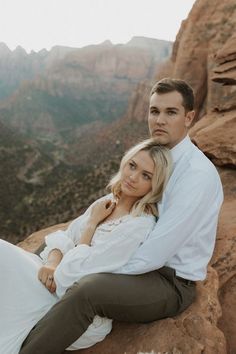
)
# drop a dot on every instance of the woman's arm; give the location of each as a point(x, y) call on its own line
point(106, 256)
point(99, 212)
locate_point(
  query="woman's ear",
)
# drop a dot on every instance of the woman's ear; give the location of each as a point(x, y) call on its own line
point(189, 118)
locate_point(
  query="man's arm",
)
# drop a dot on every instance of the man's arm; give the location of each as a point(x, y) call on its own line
point(194, 202)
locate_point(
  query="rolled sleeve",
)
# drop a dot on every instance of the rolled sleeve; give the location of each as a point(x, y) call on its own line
point(57, 240)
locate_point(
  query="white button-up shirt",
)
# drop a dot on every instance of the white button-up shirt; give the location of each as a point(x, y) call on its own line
point(184, 236)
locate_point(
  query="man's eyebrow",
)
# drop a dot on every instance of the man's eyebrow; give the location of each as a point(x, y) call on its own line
point(173, 108)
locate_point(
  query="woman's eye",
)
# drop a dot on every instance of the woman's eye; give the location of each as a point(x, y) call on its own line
point(131, 165)
point(146, 177)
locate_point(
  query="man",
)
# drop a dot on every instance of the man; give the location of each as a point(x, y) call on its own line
point(159, 281)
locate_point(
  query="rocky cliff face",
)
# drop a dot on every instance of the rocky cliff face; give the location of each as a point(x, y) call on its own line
point(204, 55)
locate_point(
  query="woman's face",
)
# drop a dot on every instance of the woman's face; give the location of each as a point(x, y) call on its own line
point(136, 176)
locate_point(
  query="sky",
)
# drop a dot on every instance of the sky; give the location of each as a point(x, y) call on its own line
point(37, 24)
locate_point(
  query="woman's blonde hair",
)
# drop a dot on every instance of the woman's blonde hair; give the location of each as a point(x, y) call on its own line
point(162, 171)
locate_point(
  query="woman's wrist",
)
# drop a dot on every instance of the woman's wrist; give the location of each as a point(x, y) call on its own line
point(92, 223)
point(87, 234)
point(54, 258)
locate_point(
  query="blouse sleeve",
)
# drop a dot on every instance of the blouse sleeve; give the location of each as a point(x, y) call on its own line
point(107, 256)
point(68, 239)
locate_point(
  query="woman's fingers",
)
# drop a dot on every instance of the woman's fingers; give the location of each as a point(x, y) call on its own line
point(53, 287)
point(50, 283)
point(45, 275)
point(110, 207)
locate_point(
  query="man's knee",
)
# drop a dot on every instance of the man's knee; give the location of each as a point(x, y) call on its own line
point(85, 293)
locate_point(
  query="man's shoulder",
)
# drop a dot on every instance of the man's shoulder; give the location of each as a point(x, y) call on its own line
point(195, 167)
point(199, 162)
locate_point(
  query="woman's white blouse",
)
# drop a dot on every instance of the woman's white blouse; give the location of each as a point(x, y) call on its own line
point(113, 244)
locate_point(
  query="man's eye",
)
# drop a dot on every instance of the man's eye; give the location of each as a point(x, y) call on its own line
point(171, 113)
point(154, 112)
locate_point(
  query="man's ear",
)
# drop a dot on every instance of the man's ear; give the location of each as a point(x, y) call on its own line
point(189, 118)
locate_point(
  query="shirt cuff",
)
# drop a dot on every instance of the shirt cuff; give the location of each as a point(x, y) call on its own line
point(57, 240)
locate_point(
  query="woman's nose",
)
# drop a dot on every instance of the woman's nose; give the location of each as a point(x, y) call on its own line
point(133, 176)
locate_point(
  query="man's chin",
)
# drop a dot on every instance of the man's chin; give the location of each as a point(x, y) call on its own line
point(160, 140)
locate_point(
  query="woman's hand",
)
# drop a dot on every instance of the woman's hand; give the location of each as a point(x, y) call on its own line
point(46, 272)
point(100, 211)
point(46, 276)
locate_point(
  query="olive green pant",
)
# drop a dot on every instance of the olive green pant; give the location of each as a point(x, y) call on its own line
point(130, 298)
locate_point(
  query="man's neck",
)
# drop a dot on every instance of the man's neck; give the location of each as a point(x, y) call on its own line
point(178, 150)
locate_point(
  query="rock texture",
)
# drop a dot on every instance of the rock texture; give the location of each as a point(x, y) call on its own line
point(205, 55)
point(224, 258)
point(215, 135)
point(225, 58)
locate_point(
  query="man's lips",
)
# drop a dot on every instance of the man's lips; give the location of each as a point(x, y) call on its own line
point(159, 131)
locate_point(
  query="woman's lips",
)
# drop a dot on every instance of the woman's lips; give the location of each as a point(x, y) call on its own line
point(128, 185)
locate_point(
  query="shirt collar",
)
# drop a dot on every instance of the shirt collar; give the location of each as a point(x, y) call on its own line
point(178, 150)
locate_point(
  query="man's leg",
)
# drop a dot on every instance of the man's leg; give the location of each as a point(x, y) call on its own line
point(140, 298)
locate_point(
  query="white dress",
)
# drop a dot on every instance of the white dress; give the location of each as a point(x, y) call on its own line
point(23, 298)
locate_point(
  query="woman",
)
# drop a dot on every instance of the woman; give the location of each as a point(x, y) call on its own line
point(103, 239)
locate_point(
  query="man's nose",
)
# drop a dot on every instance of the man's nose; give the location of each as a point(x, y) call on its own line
point(160, 119)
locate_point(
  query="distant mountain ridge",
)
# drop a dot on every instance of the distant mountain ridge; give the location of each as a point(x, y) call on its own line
point(79, 86)
point(17, 66)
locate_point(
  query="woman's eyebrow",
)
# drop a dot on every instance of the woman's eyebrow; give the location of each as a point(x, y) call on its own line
point(148, 172)
point(133, 161)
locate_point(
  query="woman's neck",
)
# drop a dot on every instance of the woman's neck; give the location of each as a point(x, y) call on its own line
point(125, 203)
point(123, 207)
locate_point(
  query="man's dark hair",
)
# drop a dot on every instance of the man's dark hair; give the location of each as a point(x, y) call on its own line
point(169, 85)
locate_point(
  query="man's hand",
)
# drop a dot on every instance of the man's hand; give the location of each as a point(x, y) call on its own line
point(46, 276)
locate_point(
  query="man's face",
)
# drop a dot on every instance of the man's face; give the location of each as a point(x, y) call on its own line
point(168, 122)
